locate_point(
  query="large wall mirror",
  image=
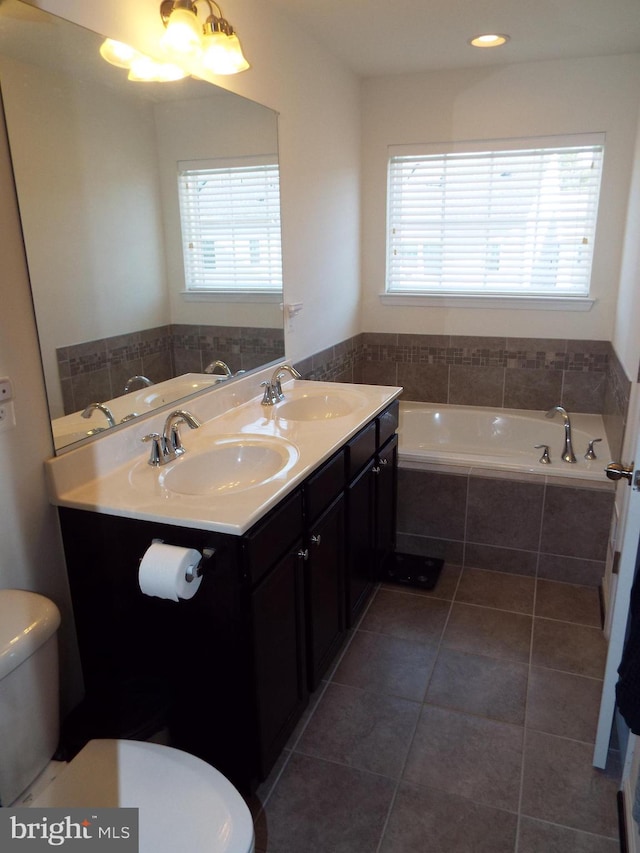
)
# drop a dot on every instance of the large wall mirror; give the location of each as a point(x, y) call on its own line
point(95, 161)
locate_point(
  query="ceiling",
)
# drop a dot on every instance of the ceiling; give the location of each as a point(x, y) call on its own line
point(374, 37)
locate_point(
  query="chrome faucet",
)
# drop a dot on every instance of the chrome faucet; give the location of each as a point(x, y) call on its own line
point(168, 446)
point(211, 368)
point(567, 450)
point(106, 411)
point(273, 388)
point(133, 379)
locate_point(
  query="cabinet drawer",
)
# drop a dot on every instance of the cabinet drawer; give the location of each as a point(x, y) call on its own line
point(323, 486)
point(388, 423)
point(360, 449)
point(265, 543)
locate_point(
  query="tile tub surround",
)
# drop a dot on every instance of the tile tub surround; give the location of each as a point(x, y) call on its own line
point(98, 370)
point(448, 726)
point(516, 373)
point(517, 524)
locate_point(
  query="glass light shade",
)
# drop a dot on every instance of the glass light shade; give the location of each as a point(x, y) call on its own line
point(223, 54)
point(118, 53)
point(183, 33)
point(147, 70)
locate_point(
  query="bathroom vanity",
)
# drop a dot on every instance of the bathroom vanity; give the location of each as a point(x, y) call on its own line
point(236, 663)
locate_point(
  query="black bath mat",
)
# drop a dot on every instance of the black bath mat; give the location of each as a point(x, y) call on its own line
point(412, 570)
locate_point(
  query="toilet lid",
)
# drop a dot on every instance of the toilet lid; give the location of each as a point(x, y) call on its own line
point(183, 802)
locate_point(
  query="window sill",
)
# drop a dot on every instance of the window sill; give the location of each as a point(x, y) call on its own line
point(231, 296)
point(465, 300)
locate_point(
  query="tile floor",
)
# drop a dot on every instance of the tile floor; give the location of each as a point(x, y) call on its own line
point(457, 721)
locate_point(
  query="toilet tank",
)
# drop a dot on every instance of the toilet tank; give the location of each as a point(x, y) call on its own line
point(29, 694)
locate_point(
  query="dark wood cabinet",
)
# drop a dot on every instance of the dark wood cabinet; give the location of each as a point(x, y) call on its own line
point(371, 507)
point(235, 663)
point(324, 590)
point(278, 633)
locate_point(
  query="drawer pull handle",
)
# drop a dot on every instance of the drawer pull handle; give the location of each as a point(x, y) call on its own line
point(303, 554)
point(316, 539)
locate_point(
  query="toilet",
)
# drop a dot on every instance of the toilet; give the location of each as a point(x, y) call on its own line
point(183, 802)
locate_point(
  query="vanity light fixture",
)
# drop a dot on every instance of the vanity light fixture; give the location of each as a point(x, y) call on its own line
point(141, 68)
point(489, 40)
point(214, 42)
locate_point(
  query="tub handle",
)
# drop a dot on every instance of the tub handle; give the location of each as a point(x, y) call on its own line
point(545, 458)
point(591, 454)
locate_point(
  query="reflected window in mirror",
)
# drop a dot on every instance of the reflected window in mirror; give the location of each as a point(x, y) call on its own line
point(230, 220)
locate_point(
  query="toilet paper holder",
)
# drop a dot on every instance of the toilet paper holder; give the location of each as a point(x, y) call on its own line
point(196, 571)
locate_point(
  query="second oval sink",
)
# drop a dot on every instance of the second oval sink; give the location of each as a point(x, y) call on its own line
point(317, 407)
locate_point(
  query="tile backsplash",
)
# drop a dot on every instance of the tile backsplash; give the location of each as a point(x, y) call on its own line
point(98, 370)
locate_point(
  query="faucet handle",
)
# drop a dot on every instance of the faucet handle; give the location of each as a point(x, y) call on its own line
point(157, 450)
point(545, 459)
point(591, 454)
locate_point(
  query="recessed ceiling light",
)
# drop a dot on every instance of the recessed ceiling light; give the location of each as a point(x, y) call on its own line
point(489, 40)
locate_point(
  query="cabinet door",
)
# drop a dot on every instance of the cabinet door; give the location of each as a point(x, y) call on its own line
point(324, 590)
point(360, 541)
point(386, 484)
point(279, 656)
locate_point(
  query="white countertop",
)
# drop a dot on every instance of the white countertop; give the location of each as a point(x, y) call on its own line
point(111, 474)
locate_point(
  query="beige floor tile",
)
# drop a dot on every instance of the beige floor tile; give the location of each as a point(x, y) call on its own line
point(561, 786)
point(538, 837)
point(479, 685)
point(388, 665)
point(468, 756)
point(564, 704)
point(407, 616)
point(424, 820)
point(568, 602)
point(571, 648)
point(361, 729)
point(496, 589)
point(494, 633)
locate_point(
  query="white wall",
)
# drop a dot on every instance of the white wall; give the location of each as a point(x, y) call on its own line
point(528, 99)
point(31, 556)
point(626, 339)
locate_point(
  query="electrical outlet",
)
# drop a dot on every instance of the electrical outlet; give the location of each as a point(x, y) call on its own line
point(7, 416)
point(6, 392)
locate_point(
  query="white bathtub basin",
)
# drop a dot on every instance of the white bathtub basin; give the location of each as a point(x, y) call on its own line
point(500, 439)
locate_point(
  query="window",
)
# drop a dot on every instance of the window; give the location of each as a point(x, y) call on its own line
point(511, 217)
point(230, 214)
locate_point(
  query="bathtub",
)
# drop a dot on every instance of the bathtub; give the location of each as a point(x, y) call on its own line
point(497, 439)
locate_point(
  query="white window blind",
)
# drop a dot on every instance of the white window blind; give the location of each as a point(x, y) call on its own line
point(230, 214)
point(509, 221)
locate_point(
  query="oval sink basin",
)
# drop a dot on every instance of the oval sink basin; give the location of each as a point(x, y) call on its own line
point(230, 465)
point(316, 407)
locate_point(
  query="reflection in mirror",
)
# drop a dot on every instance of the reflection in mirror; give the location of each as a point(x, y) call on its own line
point(96, 162)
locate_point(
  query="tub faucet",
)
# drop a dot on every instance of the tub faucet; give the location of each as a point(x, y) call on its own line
point(567, 450)
point(224, 367)
point(132, 380)
point(273, 388)
point(106, 411)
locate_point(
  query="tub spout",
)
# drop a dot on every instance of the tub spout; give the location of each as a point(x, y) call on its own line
point(567, 450)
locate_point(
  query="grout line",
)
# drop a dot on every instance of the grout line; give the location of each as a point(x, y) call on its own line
point(417, 723)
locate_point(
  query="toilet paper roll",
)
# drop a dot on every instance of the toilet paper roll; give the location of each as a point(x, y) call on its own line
point(163, 571)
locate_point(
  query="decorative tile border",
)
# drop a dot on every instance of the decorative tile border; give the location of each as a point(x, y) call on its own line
point(98, 370)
